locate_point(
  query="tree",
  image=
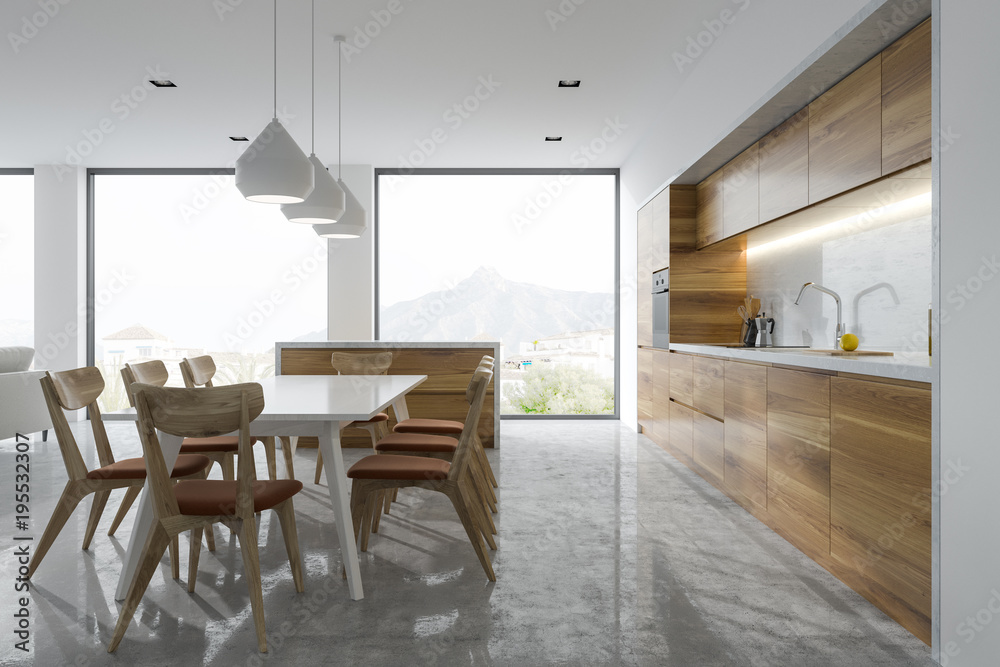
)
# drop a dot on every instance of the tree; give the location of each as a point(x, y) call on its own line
point(553, 389)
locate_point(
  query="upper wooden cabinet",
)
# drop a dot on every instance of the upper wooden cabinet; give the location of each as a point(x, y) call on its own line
point(739, 193)
point(660, 241)
point(906, 100)
point(644, 281)
point(845, 133)
point(710, 208)
point(784, 167)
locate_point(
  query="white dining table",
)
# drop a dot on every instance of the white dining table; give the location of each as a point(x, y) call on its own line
point(296, 405)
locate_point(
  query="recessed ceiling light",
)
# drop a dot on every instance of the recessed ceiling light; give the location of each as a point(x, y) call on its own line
point(553, 138)
point(239, 139)
point(569, 83)
point(163, 83)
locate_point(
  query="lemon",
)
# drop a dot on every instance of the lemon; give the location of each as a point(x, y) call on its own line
point(849, 342)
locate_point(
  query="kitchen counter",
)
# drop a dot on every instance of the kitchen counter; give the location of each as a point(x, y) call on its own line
point(913, 366)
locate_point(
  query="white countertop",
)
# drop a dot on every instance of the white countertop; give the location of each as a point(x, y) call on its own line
point(913, 366)
point(390, 344)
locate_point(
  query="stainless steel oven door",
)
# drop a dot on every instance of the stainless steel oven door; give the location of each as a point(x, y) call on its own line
point(661, 319)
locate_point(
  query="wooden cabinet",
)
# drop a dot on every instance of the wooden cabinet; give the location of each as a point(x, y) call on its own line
point(660, 240)
point(710, 223)
point(644, 275)
point(708, 446)
point(783, 167)
point(740, 206)
point(661, 397)
point(644, 398)
point(798, 458)
point(880, 495)
point(681, 430)
point(746, 432)
point(709, 384)
point(845, 133)
point(682, 378)
point(906, 100)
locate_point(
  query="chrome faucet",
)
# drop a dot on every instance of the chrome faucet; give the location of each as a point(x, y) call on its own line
point(836, 297)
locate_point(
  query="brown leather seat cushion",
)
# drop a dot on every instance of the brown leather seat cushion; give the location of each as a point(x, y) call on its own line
point(380, 417)
point(206, 497)
point(187, 464)
point(443, 426)
point(416, 442)
point(219, 443)
point(387, 466)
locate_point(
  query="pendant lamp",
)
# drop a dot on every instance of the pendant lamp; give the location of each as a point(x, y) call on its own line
point(354, 221)
point(326, 202)
point(273, 169)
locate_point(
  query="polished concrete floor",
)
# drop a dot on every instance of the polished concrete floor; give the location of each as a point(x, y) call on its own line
point(610, 553)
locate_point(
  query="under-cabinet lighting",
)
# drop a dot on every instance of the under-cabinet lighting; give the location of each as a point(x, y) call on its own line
point(553, 138)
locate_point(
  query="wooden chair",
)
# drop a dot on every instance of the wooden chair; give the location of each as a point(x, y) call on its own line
point(199, 372)
point(387, 471)
point(350, 363)
point(72, 390)
point(196, 504)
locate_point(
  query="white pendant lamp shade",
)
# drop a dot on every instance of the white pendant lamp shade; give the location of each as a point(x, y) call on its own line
point(325, 204)
point(352, 223)
point(273, 169)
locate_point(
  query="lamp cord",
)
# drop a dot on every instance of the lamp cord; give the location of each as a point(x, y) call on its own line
point(340, 110)
point(275, 58)
point(313, 75)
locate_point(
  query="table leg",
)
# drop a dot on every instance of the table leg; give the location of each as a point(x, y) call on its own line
point(336, 481)
point(399, 407)
point(170, 445)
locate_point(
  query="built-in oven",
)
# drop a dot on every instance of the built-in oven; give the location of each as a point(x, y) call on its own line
point(661, 309)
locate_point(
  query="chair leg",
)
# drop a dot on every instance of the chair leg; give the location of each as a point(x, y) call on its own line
point(377, 506)
point(319, 466)
point(286, 517)
point(481, 513)
point(228, 466)
point(251, 567)
point(210, 538)
point(152, 551)
point(389, 496)
point(366, 521)
point(358, 491)
point(286, 452)
point(461, 502)
point(131, 493)
point(96, 510)
point(71, 496)
point(194, 553)
point(481, 450)
point(175, 558)
point(272, 465)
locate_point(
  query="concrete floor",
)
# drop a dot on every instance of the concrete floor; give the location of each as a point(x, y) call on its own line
point(610, 553)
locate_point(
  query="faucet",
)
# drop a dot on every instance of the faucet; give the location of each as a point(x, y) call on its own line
point(836, 297)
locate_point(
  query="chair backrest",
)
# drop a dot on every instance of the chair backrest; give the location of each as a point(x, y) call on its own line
point(485, 362)
point(352, 363)
point(197, 413)
point(147, 372)
point(198, 371)
point(72, 390)
point(460, 461)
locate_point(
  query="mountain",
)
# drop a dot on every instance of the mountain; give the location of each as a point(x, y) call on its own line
point(488, 306)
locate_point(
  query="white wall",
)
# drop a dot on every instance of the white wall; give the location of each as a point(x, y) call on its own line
point(60, 267)
point(351, 273)
point(969, 293)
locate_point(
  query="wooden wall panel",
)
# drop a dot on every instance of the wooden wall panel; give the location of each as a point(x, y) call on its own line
point(746, 432)
point(709, 386)
point(880, 504)
point(706, 286)
point(709, 447)
point(741, 205)
point(784, 167)
point(798, 458)
point(845, 133)
point(441, 396)
point(906, 100)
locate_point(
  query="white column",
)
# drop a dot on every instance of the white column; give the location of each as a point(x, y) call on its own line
point(967, 394)
point(351, 263)
point(60, 267)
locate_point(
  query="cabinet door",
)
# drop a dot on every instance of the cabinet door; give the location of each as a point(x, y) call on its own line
point(845, 133)
point(660, 240)
point(681, 378)
point(709, 446)
point(709, 379)
point(880, 495)
point(798, 458)
point(681, 431)
point(740, 204)
point(661, 397)
point(644, 282)
point(746, 432)
point(709, 225)
point(906, 100)
point(644, 368)
point(784, 167)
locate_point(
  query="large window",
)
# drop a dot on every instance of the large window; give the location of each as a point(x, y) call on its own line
point(17, 259)
point(528, 259)
point(184, 265)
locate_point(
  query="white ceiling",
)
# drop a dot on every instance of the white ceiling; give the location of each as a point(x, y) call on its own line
point(70, 77)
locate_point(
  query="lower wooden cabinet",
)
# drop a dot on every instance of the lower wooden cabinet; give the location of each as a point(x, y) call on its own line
point(644, 389)
point(661, 397)
point(746, 433)
point(708, 449)
point(682, 430)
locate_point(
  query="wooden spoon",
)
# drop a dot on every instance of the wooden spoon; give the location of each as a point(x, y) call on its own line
point(754, 307)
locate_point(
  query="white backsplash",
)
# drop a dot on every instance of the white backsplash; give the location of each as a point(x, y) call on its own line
point(882, 273)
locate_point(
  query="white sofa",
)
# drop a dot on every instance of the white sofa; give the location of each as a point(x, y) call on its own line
point(22, 405)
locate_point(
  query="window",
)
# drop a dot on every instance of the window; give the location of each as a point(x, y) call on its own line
point(17, 258)
point(184, 265)
point(529, 259)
